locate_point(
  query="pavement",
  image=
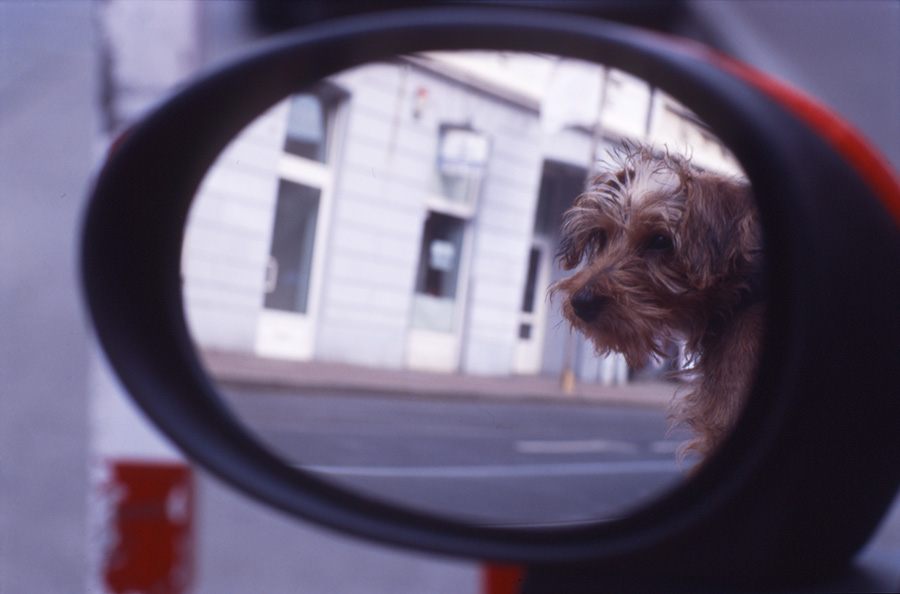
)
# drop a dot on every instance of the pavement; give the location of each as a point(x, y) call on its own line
point(242, 368)
point(47, 94)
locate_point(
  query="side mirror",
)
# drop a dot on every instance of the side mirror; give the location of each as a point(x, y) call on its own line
point(785, 495)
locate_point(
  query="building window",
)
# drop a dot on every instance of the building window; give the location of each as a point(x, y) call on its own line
point(307, 129)
point(437, 278)
point(525, 327)
point(291, 254)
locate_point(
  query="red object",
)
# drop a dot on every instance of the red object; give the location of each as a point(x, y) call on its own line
point(151, 545)
point(501, 579)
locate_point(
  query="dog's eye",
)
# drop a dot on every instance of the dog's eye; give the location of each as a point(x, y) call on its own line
point(658, 243)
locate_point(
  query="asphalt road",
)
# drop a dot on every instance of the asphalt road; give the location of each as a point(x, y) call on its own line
point(481, 461)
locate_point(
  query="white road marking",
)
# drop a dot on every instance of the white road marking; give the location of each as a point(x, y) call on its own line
point(497, 471)
point(576, 446)
point(664, 447)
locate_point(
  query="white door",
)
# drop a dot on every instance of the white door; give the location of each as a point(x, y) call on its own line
point(434, 338)
point(286, 327)
point(287, 322)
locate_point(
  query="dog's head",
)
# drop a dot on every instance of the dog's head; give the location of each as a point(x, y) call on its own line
point(662, 250)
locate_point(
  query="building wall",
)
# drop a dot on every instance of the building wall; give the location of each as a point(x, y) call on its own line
point(386, 163)
point(382, 196)
point(376, 223)
point(502, 237)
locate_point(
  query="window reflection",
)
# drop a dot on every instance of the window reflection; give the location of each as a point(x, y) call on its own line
point(306, 127)
point(403, 216)
point(291, 255)
point(442, 243)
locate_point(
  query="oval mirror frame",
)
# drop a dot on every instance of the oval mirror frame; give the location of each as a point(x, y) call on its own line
point(792, 461)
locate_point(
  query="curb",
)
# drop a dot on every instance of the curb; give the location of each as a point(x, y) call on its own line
point(246, 369)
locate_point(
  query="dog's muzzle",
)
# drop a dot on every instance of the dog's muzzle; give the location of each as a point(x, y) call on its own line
point(587, 305)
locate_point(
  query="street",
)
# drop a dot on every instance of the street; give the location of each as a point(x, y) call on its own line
point(498, 462)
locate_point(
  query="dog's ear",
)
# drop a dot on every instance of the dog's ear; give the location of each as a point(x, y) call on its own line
point(719, 230)
point(575, 235)
point(582, 232)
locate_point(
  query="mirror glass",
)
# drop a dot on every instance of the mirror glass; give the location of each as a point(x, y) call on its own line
point(367, 275)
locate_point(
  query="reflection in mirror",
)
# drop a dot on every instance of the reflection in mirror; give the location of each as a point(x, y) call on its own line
point(368, 269)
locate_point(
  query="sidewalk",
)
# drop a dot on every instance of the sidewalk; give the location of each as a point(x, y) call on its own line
point(242, 368)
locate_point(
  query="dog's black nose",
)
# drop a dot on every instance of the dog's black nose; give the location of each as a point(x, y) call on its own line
point(587, 305)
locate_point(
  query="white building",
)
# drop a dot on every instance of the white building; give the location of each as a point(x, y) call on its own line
point(404, 215)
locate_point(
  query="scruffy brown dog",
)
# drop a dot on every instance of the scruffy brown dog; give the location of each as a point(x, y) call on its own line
point(670, 253)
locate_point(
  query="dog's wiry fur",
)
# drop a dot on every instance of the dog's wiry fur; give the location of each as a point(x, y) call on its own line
point(669, 253)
